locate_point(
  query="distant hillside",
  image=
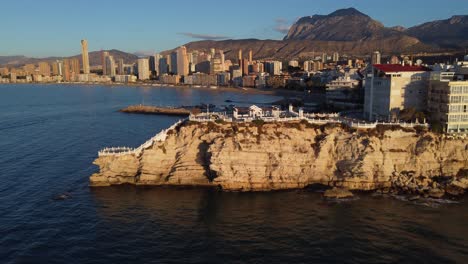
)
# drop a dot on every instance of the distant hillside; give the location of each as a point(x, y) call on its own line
point(449, 33)
point(94, 58)
point(288, 49)
point(351, 32)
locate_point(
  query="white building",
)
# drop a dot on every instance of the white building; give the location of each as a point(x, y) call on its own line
point(448, 98)
point(390, 88)
point(143, 69)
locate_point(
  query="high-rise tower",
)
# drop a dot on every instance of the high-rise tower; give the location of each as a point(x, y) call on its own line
point(85, 56)
point(104, 54)
point(182, 61)
point(143, 69)
point(223, 60)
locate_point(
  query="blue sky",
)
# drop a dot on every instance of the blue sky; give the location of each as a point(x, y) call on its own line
point(55, 27)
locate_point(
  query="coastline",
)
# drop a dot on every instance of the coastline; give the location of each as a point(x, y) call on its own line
point(245, 90)
point(291, 155)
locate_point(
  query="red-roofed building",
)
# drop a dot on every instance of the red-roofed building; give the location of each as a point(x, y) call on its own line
point(390, 88)
point(391, 68)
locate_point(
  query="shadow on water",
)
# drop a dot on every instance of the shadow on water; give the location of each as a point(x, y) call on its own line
point(289, 226)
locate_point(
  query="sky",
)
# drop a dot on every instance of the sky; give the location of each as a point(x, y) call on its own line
point(41, 28)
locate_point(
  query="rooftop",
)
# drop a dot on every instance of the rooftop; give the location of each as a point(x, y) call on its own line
point(400, 68)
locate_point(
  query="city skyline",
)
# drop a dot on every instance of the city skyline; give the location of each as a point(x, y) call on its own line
point(149, 28)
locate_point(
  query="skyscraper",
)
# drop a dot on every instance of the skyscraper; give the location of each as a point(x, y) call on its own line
point(169, 63)
point(71, 68)
point(182, 61)
point(57, 68)
point(143, 69)
point(163, 66)
point(104, 54)
point(120, 67)
point(85, 56)
point(174, 63)
point(44, 68)
point(110, 66)
point(154, 63)
point(240, 58)
point(245, 67)
point(66, 70)
point(376, 58)
point(75, 66)
point(223, 60)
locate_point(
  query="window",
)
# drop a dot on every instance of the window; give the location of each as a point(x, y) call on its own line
point(454, 109)
point(464, 118)
point(454, 118)
point(455, 99)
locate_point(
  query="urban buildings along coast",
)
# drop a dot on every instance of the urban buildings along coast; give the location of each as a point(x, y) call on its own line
point(384, 87)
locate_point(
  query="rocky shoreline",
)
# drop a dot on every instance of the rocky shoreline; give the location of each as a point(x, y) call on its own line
point(157, 110)
point(295, 155)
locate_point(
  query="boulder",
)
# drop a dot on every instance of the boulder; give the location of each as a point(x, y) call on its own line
point(454, 190)
point(338, 193)
point(436, 193)
point(462, 183)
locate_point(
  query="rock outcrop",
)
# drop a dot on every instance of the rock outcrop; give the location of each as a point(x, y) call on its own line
point(275, 156)
point(338, 193)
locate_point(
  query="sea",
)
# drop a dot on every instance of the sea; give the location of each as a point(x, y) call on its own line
point(50, 135)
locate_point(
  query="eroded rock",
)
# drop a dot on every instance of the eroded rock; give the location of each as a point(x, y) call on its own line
point(275, 156)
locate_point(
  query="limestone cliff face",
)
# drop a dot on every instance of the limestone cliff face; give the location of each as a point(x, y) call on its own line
point(249, 157)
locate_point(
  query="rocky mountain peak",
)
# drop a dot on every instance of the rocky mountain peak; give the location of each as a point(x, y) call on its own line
point(347, 12)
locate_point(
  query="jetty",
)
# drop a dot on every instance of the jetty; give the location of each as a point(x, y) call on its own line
point(158, 110)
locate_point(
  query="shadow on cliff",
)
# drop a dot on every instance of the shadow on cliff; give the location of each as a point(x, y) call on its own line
point(204, 159)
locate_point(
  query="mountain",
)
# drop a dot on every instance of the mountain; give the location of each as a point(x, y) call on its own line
point(349, 31)
point(94, 58)
point(289, 49)
point(448, 33)
point(341, 25)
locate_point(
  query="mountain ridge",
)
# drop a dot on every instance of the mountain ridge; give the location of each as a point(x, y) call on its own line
point(347, 31)
point(94, 58)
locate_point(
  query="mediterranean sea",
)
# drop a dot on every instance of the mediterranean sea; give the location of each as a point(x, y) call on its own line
point(50, 135)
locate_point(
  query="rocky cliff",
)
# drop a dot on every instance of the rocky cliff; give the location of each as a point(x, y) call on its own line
point(260, 157)
point(341, 25)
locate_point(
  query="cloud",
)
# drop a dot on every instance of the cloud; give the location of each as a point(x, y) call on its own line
point(281, 25)
point(203, 36)
point(282, 28)
point(144, 53)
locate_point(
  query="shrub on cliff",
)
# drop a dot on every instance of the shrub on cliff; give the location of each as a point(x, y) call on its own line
point(220, 121)
point(258, 122)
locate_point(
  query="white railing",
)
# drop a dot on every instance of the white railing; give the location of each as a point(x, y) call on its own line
point(121, 151)
point(455, 136)
point(374, 125)
point(315, 118)
point(321, 115)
